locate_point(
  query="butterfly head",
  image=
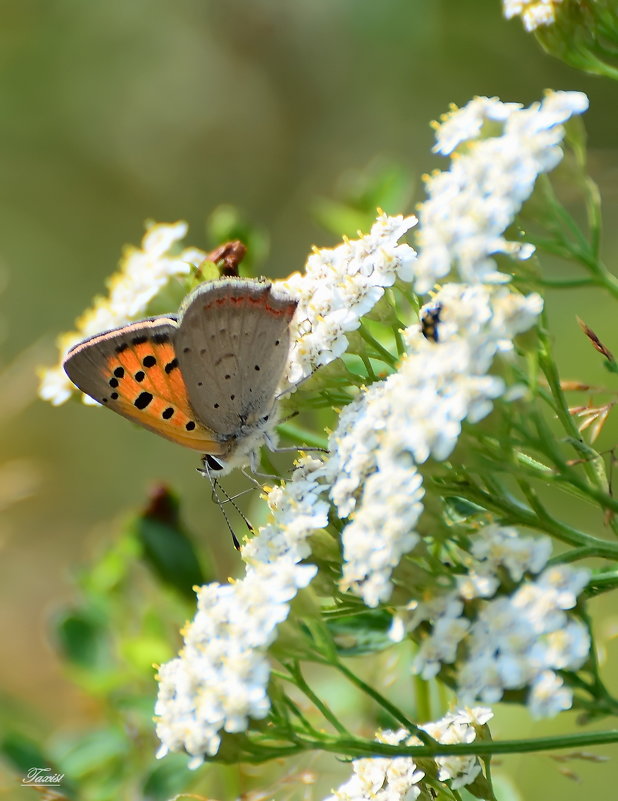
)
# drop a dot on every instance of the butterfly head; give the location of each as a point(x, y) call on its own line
point(242, 447)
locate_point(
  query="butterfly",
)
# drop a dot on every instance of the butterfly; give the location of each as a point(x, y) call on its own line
point(206, 378)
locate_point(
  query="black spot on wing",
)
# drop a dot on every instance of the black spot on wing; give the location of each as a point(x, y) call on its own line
point(142, 400)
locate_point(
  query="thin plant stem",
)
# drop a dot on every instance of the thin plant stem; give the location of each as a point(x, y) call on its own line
point(300, 682)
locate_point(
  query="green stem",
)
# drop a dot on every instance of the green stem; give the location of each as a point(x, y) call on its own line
point(301, 436)
point(587, 552)
point(299, 715)
point(515, 512)
point(422, 698)
point(602, 582)
point(593, 213)
point(384, 703)
point(371, 376)
point(564, 283)
point(401, 348)
point(356, 747)
point(383, 352)
point(298, 680)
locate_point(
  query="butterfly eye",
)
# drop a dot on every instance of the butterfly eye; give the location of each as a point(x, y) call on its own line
point(213, 463)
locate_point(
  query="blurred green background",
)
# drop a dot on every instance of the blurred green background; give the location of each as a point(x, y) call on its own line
point(114, 112)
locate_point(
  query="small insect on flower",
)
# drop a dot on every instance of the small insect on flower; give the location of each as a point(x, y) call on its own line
point(430, 318)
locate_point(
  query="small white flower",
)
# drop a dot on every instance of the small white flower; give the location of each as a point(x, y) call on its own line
point(494, 546)
point(548, 696)
point(534, 13)
point(461, 125)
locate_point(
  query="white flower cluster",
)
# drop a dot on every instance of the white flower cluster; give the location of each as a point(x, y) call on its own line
point(462, 222)
point(143, 272)
point(533, 13)
point(415, 413)
point(504, 641)
point(399, 778)
point(220, 678)
point(339, 286)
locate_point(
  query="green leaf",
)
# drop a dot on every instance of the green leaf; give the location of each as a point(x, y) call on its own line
point(90, 752)
point(457, 509)
point(169, 777)
point(82, 637)
point(167, 549)
point(379, 186)
point(362, 633)
point(611, 367)
point(22, 753)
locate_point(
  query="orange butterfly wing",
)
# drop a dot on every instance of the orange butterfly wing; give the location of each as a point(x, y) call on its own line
point(134, 371)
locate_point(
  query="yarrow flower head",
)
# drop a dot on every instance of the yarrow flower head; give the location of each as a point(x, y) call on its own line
point(461, 224)
point(220, 678)
point(506, 640)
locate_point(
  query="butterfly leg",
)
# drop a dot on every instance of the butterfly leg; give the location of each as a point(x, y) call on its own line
point(215, 485)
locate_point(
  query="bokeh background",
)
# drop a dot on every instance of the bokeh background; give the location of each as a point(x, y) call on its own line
point(115, 112)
